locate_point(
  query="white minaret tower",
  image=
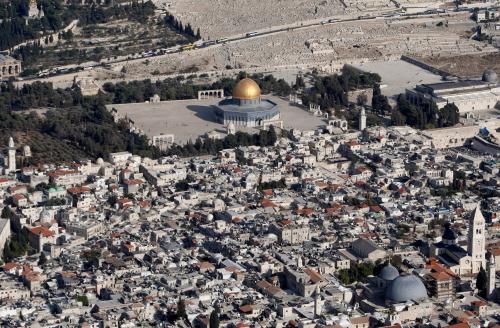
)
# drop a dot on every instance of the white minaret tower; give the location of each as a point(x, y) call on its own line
point(362, 119)
point(477, 240)
point(492, 277)
point(317, 302)
point(11, 156)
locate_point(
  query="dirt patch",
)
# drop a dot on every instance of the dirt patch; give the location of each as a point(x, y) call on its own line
point(466, 66)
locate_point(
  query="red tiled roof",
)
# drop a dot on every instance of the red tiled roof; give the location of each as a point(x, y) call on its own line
point(246, 308)
point(313, 275)
point(285, 222)
point(205, 265)
point(11, 265)
point(304, 211)
point(144, 203)
point(267, 203)
point(133, 182)
point(440, 276)
point(42, 231)
point(459, 325)
point(267, 192)
point(479, 303)
point(361, 169)
point(78, 190)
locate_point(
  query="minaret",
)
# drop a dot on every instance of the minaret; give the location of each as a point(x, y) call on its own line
point(476, 240)
point(317, 302)
point(362, 119)
point(492, 276)
point(11, 156)
point(33, 11)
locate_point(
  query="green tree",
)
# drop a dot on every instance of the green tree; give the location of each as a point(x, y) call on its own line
point(380, 103)
point(481, 281)
point(397, 118)
point(409, 111)
point(214, 318)
point(17, 246)
point(344, 277)
point(83, 299)
point(7, 213)
point(449, 115)
point(397, 261)
point(42, 259)
point(365, 269)
point(299, 82)
point(181, 309)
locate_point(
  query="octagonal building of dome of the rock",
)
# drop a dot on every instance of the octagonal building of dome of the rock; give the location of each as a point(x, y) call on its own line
point(246, 108)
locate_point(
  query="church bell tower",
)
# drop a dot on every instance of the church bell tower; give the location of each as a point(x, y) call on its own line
point(477, 240)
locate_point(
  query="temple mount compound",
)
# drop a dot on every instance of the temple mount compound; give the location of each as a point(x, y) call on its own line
point(246, 108)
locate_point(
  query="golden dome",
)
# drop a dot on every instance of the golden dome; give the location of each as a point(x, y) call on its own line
point(246, 89)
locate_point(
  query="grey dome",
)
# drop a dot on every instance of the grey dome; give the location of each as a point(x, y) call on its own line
point(490, 76)
point(406, 288)
point(388, 273)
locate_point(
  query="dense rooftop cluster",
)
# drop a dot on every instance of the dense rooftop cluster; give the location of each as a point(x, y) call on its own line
point(362, 229)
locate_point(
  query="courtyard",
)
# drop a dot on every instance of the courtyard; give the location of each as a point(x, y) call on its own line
point(190, 119)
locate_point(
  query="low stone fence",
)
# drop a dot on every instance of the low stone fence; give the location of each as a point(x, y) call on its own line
point(425, 66)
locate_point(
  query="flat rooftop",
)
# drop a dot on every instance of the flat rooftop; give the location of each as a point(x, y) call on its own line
point(190, 119)
point(454, 85)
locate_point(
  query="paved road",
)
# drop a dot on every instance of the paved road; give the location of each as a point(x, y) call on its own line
point(392, 15)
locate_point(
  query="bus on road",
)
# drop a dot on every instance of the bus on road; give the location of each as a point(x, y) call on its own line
point(188, 47)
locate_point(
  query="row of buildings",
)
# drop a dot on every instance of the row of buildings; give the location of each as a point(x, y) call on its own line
point(358, 229)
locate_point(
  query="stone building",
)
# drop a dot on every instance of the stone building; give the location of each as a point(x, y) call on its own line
point(468, 95)
point(9, 67)
point(303, 281)
point(288, 232)
point(367, 250)
point(39, 236)
point(13, 290)
point(440, 285)
point(4, 233)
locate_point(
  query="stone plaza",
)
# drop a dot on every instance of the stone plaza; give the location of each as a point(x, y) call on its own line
point(189, 119)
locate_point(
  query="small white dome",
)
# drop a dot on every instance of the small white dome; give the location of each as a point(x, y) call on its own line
point(45, 215)
point(389, 273)
point(271, 236)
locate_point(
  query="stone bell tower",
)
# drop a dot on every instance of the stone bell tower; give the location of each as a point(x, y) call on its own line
point(11, 165)
point(476, 243)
